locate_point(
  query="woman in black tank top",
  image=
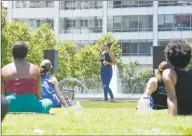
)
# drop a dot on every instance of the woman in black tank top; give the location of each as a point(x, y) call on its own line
point(107, 59)
point(178, 80)
point(155, 90)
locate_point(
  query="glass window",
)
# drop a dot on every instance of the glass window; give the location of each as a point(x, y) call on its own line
point(145, 3)
point(171, 3)
point(19, 4)
point(92, 4)
point(181, 22)
point(165, 22)
point(84, 5)
point(81, 25)
point(76, 25)
point(76, 4)
point(67, 5)
point(144, 47)
point(41, 4)
point(110, 23)
point(116, 4)
point(117, 23)
point(129, 4)
point(162, 42)
point(136, 47)
point(110, 4)
point(125, 23)
point(124, 47)
point(191, 21)
point(143, 23)
point(133, 23)
point(99, 4)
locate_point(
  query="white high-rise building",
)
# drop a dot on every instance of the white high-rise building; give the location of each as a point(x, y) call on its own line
point(137, 25)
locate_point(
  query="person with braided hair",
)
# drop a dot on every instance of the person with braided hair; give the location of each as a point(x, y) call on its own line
point(50, 86)
point(155, 90)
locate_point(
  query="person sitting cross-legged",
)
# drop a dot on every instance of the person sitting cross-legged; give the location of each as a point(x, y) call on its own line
point(21, 83)
point(155, 90)
point(50, 86)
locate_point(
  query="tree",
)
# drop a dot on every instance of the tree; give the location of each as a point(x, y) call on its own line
point(42, 38)
point(67, 51)
point(11, 32)
point(86, 63)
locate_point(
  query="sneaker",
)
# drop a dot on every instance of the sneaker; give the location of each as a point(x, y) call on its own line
point(113, 100)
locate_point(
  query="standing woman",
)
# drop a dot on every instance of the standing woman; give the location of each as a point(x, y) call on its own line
point(107, 59)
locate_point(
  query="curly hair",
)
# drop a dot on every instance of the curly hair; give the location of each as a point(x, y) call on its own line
point(178, 52)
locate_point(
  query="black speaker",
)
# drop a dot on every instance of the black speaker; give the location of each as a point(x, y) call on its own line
point(158, 56)
point(52, 55)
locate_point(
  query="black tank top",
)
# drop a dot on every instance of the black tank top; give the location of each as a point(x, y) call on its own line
point(105, 57)
point(183, 90)
point(160, 96)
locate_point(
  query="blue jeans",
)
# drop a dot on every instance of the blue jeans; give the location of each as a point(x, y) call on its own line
point(106, 75)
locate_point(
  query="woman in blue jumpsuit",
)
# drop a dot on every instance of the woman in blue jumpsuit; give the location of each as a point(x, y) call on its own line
point(107, 59)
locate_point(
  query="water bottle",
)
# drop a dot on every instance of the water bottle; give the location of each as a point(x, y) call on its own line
point(78, 108)
point(144, 105)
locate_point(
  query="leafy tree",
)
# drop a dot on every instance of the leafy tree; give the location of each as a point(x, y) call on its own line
point(11, 32)
point(134, 80)
point(86, 63)
point(67, 51)
point(42, 38)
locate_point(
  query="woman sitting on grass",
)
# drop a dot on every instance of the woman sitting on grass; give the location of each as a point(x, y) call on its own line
point(21, 83)
point(178, 80)
point(155, 90)
point(50, 86)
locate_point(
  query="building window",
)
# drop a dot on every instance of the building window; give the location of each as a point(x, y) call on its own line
point(129, 4)
point(35, 23)
point(81, 25)
point(145, 47)
point(136, 47)
point(73, 5)
point(41, 4)
point(133, 23)
point(175, 3)
point(162, 42)
point(174, 22)
point(19, 4)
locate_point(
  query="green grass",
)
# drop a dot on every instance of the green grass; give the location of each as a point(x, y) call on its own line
point(98, 118)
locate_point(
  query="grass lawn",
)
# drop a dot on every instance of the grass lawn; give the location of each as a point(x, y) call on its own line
point(98, 118)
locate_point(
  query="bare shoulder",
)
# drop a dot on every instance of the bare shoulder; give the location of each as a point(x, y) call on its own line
point(169, 73)
point(33, 66)
point(152, 80)
point(6, 68)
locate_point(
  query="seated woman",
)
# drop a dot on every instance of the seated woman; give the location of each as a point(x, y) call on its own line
point(178, 80)
point(155, 90)
point(50, 86)
point(21, 83)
